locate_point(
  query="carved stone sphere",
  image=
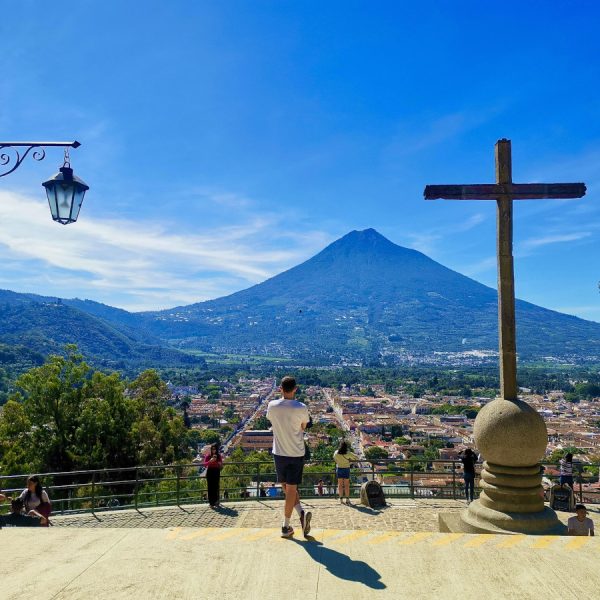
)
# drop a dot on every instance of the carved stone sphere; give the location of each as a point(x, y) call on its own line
point(510, 433)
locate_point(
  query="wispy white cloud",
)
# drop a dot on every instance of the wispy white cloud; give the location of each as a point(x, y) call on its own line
point(141, 264)
point(546, 240)
point(420, 134)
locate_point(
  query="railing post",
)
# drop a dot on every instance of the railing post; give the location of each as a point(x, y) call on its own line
point(93, 491)
point(178, 483)
point(580, 485)
point(453, 480)
point(258, 481)
point(155, 487)
point(412, 481)
point(135, 491)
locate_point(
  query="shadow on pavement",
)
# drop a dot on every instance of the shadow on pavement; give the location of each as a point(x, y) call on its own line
point(365, 509)
point(226, 510)
point(340, 565)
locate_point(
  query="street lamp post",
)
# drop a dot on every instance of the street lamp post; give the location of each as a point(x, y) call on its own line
point(64, 190)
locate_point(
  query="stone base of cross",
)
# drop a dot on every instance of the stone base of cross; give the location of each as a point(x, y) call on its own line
point(510, 435)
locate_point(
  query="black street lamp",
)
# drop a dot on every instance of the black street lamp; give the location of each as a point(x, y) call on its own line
point(65, 191)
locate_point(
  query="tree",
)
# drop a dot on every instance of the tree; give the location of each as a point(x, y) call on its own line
point(209, 436)
point(376, 453)
point(261, 423)
point(66, 416)
point(402, 441)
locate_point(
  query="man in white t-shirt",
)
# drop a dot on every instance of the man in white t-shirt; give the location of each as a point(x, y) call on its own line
point(289, 419)
point(580, 524)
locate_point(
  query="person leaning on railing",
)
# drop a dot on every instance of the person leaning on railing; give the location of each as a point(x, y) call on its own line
point(343, 457)
point(213, 462)
point(468, 459)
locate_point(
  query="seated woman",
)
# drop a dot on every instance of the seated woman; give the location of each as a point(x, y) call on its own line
point(35, 498)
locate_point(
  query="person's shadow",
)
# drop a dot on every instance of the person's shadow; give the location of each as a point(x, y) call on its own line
point(340, 565)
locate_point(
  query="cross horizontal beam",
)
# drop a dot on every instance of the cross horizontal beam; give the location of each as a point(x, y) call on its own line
point(516, 191)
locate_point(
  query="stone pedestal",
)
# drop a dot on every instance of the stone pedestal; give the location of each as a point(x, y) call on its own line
point(512, 437)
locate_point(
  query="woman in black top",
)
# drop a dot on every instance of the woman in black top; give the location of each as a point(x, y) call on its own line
point(469, 458)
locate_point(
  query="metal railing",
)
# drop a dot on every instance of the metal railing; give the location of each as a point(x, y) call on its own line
point(170, 485)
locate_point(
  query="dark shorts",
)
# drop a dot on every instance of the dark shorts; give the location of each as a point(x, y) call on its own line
point(343, 473)
point(568, 479)
point(289, 469)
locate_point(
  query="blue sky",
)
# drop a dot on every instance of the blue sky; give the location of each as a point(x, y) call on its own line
point(226, 141)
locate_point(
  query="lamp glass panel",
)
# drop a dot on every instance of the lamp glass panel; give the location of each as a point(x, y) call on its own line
point(52, 202)
point(77, 202)
point(64, 197)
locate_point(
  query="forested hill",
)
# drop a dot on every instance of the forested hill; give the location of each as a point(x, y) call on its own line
point(44, 325)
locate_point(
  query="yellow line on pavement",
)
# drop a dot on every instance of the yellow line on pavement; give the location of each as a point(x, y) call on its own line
point(173, 534)
point(259, 534)
point(511, 541)
point(327, 533)
point(226, 534)
point(384, 537)
point(577, 543)
point(447, 538)
point(478, 540)
point(417, 537)
point(351, 536)
point(198, 533)
point(544, 541)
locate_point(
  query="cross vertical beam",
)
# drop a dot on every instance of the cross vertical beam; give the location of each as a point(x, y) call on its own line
point(506, 276)
point(504, 191)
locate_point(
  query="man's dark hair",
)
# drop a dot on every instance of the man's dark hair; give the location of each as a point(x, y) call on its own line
point(580, 507)
point(288, 384)
point(16, 505)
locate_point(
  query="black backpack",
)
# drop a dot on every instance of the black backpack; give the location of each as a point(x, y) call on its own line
point(371, 494)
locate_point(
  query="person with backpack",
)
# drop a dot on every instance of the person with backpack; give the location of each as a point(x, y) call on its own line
point(213, 463)
point(35, 498)
point(342, 457)
point(468, 459)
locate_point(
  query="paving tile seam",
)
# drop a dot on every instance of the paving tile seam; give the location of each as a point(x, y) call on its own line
point(91, 565)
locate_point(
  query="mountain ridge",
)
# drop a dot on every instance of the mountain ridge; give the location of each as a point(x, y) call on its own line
point(361, 298)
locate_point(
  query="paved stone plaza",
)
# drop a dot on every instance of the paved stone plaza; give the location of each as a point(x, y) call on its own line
point(401, 515)
point(233, 563)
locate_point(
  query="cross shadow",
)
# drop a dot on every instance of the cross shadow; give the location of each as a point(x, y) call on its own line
point(340, 565)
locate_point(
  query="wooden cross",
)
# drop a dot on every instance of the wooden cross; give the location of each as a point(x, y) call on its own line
point(504, 191)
